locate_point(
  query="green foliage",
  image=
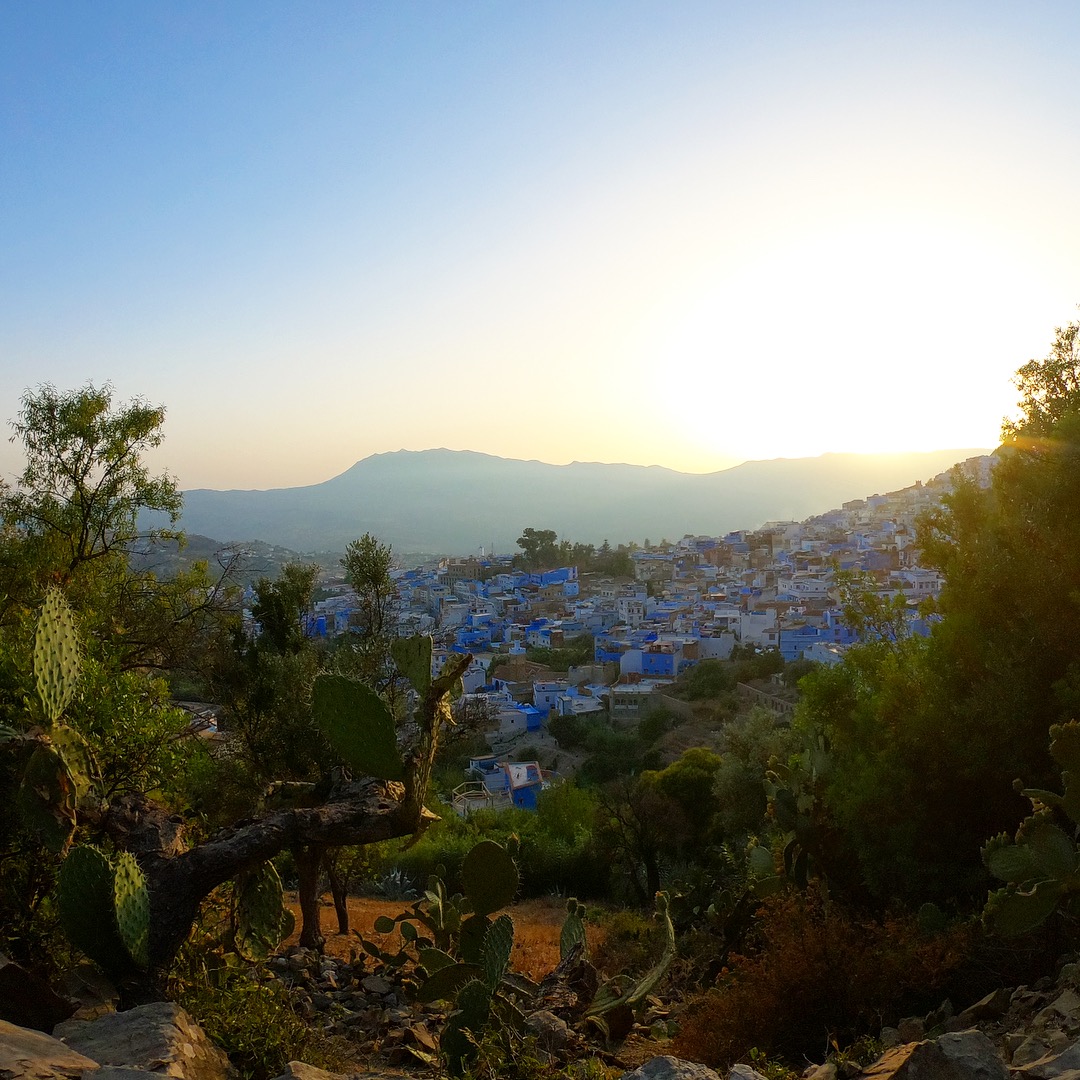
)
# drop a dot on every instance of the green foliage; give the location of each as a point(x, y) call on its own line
point(1041, 865)
point(252, 1020)
point(706, 681)
point(280, 606)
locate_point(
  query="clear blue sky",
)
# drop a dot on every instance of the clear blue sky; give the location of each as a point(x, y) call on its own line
point(685, 234)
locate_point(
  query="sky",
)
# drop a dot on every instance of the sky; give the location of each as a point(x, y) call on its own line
point(685, 234)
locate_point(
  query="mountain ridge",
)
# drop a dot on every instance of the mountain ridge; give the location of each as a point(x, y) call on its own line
point(453, 501)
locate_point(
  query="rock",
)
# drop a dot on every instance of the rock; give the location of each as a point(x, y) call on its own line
point(918, 1061)
point(890, 1037)
point(33, 1055)
point(1050, 1066)
point(821, 1072)
point(991, 1007)
point(298, 1070)
point(374, 984)
point(161, 1038)
point(29, 1001)
point(912, 1029)
point(1065, 1008)
point(743, 1072)
point(974, 1053)
point(551, 1031)
point(673, 1068)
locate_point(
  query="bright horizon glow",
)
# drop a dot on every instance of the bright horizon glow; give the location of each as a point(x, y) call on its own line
point(592, 232)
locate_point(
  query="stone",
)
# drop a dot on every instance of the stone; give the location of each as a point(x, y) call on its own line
point(1030, 1048)
point(33, 1055)
point(298, 1070)
point(160, 1037)
point(917, 1061)
point(1069, 975)
point(1065, 1008)
point(912, 1029)
point(672, 1068)
point(889, 1037)
point(1051, 1065)
point(551, 1031)
point(29, 1001)
point(374, 984)
point(974, 1053)
point(821, 1072)
point(991, 1007)
point(744, 1072)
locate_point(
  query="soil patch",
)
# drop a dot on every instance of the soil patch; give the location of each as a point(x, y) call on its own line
point(537, 924)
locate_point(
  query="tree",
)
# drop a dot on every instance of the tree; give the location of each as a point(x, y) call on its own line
point(368, 564)
point(85, 483)
point(539, 548)
point(78, 513)
point(280, 606)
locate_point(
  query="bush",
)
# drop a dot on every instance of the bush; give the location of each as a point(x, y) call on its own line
point(819, 975)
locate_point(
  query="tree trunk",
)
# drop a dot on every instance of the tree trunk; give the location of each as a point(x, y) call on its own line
point(308, 859)
point(178, 879)
point(339, 890)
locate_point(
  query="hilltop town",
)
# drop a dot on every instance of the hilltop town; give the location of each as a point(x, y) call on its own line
point(698, 598)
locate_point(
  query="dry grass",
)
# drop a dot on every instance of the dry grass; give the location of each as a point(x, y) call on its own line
point(537, 924)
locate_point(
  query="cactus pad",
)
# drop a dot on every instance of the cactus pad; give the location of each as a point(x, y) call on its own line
point(463, 1027)
point(413, 658)
point(573, 929)
point(495, 956)
point(358, 725)
point(47, 797)
point(1010, 911)
point(104, 908)
point(56, 655)
point(131, 908)
point(75, 751)
point(259, 909)
point(489, 877)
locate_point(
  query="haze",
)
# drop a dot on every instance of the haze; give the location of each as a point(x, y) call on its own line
point(687, 235)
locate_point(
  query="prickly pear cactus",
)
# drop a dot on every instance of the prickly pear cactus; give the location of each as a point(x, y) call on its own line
point(413, 658)
point(1040, 865)
point(573, 929)
point(358, 725)
point(56, 655)
point(47, 798)
point(104, 908)
point(489, 877)
point(78, 758)
point(261, 918)
point(464, 1026)
point(131, 908)
point(495, 955)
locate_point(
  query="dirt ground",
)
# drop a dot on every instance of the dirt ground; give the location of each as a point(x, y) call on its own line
point(537, 924)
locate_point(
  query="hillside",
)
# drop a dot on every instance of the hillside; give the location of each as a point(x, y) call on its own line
point(453, 501)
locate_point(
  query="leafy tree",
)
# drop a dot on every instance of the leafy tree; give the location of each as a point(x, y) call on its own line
point(85, 483)
point(280, 605)
point(539, 548)
point(368, 565)
point(77, 515)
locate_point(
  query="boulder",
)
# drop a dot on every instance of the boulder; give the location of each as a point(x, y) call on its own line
point(160, 1038)
point(671, 1068)
point(918, 1061)
point(1050, 1066)
point(33, 1055)
point(974, 1053)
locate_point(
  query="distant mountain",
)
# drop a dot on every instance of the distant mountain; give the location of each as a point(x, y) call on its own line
point(454, 501)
